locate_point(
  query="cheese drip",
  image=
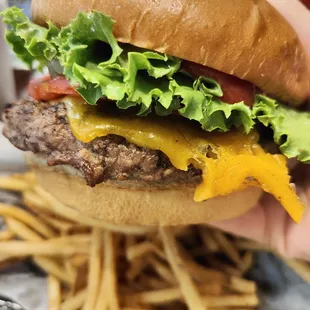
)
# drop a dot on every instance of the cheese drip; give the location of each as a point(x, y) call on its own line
point(229, 161)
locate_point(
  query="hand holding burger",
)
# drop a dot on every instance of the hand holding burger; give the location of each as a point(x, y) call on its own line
point(267, 223)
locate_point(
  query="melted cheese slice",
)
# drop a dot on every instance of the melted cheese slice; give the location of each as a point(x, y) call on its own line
point(229, 161)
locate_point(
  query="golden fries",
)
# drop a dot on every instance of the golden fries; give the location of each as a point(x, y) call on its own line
point(21, 230)
point(93, 265)
point(187, 285)
point(94, 269)
point(6, 235)
point(15, 183)
point(75, 302)
point(54, 293)
point(54, 268)
point(143, 248)
point(108, 298)
point(241, 285)
point(227, 247)
point(45, 247)
point(26, 218)
point(231, 301)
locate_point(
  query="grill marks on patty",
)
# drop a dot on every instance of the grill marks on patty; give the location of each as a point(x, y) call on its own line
point(42, 127)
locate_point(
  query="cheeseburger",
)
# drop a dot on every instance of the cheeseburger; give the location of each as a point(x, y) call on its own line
point(161, 112)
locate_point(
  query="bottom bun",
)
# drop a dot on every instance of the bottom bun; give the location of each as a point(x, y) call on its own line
point(128, 205)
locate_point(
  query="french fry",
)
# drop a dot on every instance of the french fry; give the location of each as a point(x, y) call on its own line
point(249, 245)
point(32, 200)
point(143, 248)
point(22, 231)
point(203, 274)
point(110, 270)
point(136, 267)
point(26, 218)
point(135, 308)
point(108, 289)
point(210, 244)
point(14, 184)
point(164, 296)
point(94, 273)
point(211, 289)
point(155, 297)
point(28, 176)
point(231, 301)
point(53, 268)
point(156, 283)
point(4, 257)
point(228, 247)
point(224, 267)
point(241, 285)
point(46, 248)
point(80, 280)
point(78, 238)
point(61, 225)
point(163, 271)
point(46, 263)
point(130, 240)
point(71, 270)
point(54, 293)
point(75, 302)
point(248, 260)
point(188, 289)
point(6, 235)
point(79, 260)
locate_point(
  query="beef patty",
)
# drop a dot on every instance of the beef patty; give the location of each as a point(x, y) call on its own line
point(42, 128)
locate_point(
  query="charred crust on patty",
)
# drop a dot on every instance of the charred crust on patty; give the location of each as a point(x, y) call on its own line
point(43, 128)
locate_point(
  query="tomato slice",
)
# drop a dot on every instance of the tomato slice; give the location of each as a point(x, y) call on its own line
point(46, 88)
point(234, 89)
point(306, 3)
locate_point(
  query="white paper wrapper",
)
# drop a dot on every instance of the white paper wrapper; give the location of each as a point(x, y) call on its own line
point(25, 288)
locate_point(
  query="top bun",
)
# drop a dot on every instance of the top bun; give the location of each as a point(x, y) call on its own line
point(245, 38)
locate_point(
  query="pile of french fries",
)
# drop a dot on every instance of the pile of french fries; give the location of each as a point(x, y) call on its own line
point(92, 265)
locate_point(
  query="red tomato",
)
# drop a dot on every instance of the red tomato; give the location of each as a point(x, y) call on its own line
point(234, 89)
point(306, 3)
point(46, 88)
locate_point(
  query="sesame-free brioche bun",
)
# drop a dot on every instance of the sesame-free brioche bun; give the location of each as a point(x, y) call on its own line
point(129, 203)
point(245, 38)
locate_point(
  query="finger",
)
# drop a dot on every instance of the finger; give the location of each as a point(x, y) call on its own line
point(250, 225)
point(297, 15)
point(265, 223)
point(297, 236)
point(268, 223)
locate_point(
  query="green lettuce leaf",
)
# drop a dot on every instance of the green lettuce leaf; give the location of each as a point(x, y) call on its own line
point(30, 42)
point(209, 112)
point(88, 38)
point(291, 128)
point(97, 66)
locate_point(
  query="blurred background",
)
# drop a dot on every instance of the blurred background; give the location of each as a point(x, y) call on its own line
point(281, 288)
